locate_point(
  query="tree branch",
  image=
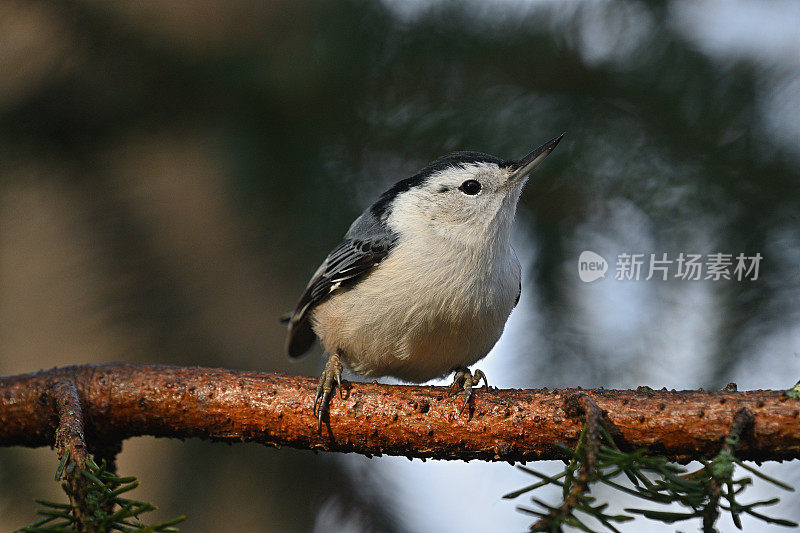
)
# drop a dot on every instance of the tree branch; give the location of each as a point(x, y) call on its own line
point(119, 401)
point(582, 405)
point(71, 446)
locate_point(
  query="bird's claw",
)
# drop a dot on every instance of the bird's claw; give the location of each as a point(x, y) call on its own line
point(464, 381)
point(331, 374)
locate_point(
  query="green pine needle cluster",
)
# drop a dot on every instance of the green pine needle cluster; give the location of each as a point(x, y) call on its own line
point(703, 493)
point(102, 496)
point(794, 392)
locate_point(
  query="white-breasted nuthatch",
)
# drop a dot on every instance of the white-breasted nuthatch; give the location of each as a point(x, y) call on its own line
point(425, 278)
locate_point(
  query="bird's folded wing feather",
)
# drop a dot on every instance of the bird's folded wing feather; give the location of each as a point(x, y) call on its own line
point(345, 265)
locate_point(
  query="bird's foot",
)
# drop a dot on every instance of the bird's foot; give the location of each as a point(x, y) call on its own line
point(331, 374)
point(463, 381)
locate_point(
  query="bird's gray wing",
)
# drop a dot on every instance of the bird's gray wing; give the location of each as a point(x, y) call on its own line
point(366, 244)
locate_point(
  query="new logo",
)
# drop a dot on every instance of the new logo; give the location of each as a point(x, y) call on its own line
point(591, 266)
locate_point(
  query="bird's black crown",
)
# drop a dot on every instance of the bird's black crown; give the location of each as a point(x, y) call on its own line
point(380, 209)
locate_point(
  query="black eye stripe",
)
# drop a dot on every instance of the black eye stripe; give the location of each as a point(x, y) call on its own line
point(470, 187)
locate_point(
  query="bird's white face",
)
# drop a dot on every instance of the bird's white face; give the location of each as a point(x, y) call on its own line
point(467, 202)
point(467, 197)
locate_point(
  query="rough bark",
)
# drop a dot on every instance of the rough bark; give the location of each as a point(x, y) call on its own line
point(71, 445)
point(119, 401)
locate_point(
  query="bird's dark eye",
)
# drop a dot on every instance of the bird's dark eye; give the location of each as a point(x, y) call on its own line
point(470, 187)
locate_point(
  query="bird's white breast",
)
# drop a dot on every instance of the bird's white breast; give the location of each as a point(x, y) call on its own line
point(431, 305)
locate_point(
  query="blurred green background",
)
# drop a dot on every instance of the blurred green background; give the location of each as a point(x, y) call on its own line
point(172, 173)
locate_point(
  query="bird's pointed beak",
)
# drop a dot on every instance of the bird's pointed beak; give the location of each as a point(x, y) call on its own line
point(523, 167)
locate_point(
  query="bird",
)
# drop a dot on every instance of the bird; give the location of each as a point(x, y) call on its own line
point(424, 280)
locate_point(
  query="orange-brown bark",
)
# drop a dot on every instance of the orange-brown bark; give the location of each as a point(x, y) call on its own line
point(70, 441)
point(119, 401)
